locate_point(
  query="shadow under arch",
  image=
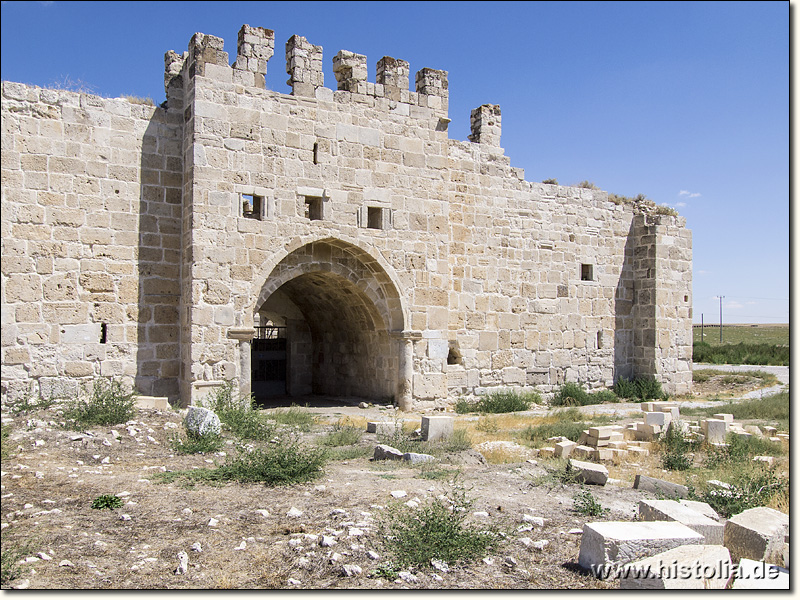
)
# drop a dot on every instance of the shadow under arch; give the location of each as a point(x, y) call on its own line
point(339, 311)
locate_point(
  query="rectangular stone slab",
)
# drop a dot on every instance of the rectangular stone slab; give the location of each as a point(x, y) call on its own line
point(694, 567)
point(658, 486)
point(672, 510)
point(622, 542)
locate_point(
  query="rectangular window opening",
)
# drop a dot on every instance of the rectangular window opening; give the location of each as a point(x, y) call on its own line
point(599, 340)
point(374, 217)
point(252, 206)
point(316, 153)
point(313, 208)
point(587, 272)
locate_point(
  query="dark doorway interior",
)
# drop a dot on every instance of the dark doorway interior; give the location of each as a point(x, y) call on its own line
point(268, 363)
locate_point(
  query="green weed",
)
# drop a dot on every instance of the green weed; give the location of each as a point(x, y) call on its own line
point(294, 416)
point(752, 486)
point(10, 557)
point(676, 449)
point(239, 415)
point(500, 402)
point(108, 501)
point(571, 394)
point(343, 434)
point(197, 444)
point(584, 503)
point(639, 389)
point(437, 530)
point(109, 402)
point(740, 354)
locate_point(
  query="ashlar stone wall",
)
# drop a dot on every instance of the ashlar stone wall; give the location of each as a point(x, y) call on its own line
point(405, 265)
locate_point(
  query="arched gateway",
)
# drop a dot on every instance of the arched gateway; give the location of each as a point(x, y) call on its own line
point(329, 320)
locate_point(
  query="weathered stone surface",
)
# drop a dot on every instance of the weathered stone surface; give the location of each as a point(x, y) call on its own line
point(564, 449)
point(436, 428)
point(590, 473)
point(694, 567)
point(758, 534)
point(384, 452)
point(202, 421)
point(155, 232)
point(622, 542)
point(759, 575)
point(672, 510)
point(660, 487)
point(701, 507)
point(382, 427)
point(416, 458)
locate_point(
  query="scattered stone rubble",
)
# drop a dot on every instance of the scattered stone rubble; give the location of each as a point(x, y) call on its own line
point(681, 544)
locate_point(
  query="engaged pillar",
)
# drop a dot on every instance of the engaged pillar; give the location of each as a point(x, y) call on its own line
point(404, 398)
point(245, 337)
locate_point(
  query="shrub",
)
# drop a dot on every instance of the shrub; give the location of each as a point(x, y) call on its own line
point(603, 396)
point(539, 433)
point(639, 389)
point(343, 434)
point(752, 487)
point(551, 181)
point(197, 444)
point(676, 449)
point(741, 449)
point(294, 416)
point(437, 530)
point(108, 501)
point(586, 504)
point(571, 394)
point(499, 402)
point(239, 415)
point(587, 185)
point(110, 402)
point(5, 443)
point(284, 463)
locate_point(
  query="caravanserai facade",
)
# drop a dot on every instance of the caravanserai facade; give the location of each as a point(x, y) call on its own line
point(332, 242)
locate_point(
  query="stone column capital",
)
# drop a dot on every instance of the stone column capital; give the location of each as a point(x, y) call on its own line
point(245, 334)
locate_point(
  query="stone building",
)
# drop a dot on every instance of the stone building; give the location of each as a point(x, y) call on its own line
point(331, 242)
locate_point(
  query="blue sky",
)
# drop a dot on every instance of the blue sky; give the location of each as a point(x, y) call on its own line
point(685, 102)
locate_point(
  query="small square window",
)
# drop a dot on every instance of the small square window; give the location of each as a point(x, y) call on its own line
point(587, 272)
point(313, 208)
point(374, 217)
point(252, 206)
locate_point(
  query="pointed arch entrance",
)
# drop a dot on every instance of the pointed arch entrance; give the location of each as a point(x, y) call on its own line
point(332, 319)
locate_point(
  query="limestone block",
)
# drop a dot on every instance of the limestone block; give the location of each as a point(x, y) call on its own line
point(660, 419)
point(583, 452)
point(546, 452)
point(759, 575)
point(157, 402)
point(672, 510)
point(757, 534)
point(693, 567)
point(602, 433)
point(436, 428)
point(769, 460)
point(716, 430)
point(382, 427)
point(80, 334)
point(701, 507)
point(589, 472)
point(384, 452)
point(660, 487)
point(416, 458)
point(728, 418)
point(606, 454)
point(202, 421)
point(754, 429)
point(769, 431)
point(564, 449)
point(621, 542)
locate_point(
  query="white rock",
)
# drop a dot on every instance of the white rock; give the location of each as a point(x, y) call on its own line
point(294, 512)
point(540, 544)
point(480, 513)
point(183, 563)
point(263, 512)
point(212, 522)
point(351, 570)
point(241, 546)
point(187, 511)
point(66, 563)
point(440, 565)
point(538, 521)
point(408, 577)
point(291, 581)
point(399, 494)
point(196, 547)
point(328, 541)
point(124, 517)
point(372, 555)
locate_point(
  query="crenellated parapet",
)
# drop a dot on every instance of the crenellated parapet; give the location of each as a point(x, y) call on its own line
point(485, 125)
point(255, 47)
point(392, 74)
point(350, 70)
point(304, 66)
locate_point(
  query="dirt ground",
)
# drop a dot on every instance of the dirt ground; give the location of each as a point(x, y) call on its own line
point(242, 535)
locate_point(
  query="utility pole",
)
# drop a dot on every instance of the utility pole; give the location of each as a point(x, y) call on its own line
point(720, 318)
point(702, 329)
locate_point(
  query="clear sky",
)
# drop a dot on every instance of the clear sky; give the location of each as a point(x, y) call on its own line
point(685, 102)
